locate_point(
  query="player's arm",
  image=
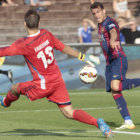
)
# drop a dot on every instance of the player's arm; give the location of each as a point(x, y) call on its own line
point(113, 39)
point(14, 49)
point(90, 59)
point(70, 51)
point(6, 51)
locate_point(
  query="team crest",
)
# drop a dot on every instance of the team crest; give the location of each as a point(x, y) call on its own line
point(102, 30)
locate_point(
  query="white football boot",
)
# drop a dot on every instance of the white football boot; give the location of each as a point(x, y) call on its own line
point(127, 125)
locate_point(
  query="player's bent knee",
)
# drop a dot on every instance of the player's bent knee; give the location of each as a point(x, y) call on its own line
point(115, 85)
point(115, 88)
point(14, 90)
point(68, 115)
point(67, 112)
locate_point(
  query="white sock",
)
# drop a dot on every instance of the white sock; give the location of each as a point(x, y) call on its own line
point(129, 122)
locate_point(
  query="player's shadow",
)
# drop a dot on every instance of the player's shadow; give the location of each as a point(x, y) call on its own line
point(137, 123)
point(39, 132)
point(112, 124)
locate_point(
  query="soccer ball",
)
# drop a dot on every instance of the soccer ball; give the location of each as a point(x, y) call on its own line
point(88, 74)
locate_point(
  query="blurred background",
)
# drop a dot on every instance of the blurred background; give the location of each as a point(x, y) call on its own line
point(71, 22)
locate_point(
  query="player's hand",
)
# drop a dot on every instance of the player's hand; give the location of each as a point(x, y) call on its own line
point(115, 45)
point(90, 59)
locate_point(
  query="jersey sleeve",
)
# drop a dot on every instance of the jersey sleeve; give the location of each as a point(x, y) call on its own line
point(58, 45)
point(14, 49)
point(111, 25)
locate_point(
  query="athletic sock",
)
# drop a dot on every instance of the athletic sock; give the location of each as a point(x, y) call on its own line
point(128, 122)
point(122, 106)
point(84, 117)
point(9, 99)
point(129, 84)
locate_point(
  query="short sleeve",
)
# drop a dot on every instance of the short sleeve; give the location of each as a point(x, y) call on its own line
point(14, 49)
point(110, 25)
point(57, 44)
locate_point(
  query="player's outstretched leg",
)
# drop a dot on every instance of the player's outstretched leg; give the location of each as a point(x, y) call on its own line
point(121, 105)
point(104, 128)
point(84, 117)
point(129, 84)
point(10, 97)
point(123, 109)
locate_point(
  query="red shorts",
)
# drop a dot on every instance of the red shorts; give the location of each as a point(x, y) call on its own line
point(56, 93)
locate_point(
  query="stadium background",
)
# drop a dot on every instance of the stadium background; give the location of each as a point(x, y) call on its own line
point(41, 120)
point(62, 19)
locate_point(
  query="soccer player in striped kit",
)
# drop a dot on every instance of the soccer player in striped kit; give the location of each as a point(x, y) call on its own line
point(116, 61)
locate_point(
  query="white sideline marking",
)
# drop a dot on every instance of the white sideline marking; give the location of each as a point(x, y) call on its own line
point(65, 132)
point(52, 110)
point(119, 132)
point(125, 132)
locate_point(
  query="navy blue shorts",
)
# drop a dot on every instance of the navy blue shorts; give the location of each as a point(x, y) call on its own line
point(116, 70)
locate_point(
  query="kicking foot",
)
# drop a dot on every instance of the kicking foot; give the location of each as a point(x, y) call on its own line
point(126, 126)
point(105, 129)
point(2, 101)
point(10, 75)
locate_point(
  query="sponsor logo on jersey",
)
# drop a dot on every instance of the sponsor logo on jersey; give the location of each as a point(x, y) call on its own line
point(102, 30)
point(111, 25)
point(115, 76)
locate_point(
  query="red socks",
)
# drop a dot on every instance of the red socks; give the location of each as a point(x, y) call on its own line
point(84, 117)
point(9, 99)
point(78, 115)
point(117, 96)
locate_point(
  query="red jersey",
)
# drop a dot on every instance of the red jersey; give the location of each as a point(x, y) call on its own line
point(38, 52)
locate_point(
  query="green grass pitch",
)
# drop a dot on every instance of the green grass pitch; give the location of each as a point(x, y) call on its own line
point(41, 120)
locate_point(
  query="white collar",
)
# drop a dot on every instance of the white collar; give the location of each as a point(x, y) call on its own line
point(34, 34)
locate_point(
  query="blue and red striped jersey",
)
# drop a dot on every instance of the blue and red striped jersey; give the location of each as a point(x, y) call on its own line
point(104, 37)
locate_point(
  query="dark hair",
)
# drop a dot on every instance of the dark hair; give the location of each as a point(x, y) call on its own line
point(96, 5)
point(32, 19)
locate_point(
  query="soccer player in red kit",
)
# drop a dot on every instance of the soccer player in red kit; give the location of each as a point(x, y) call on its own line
point(37, 49)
